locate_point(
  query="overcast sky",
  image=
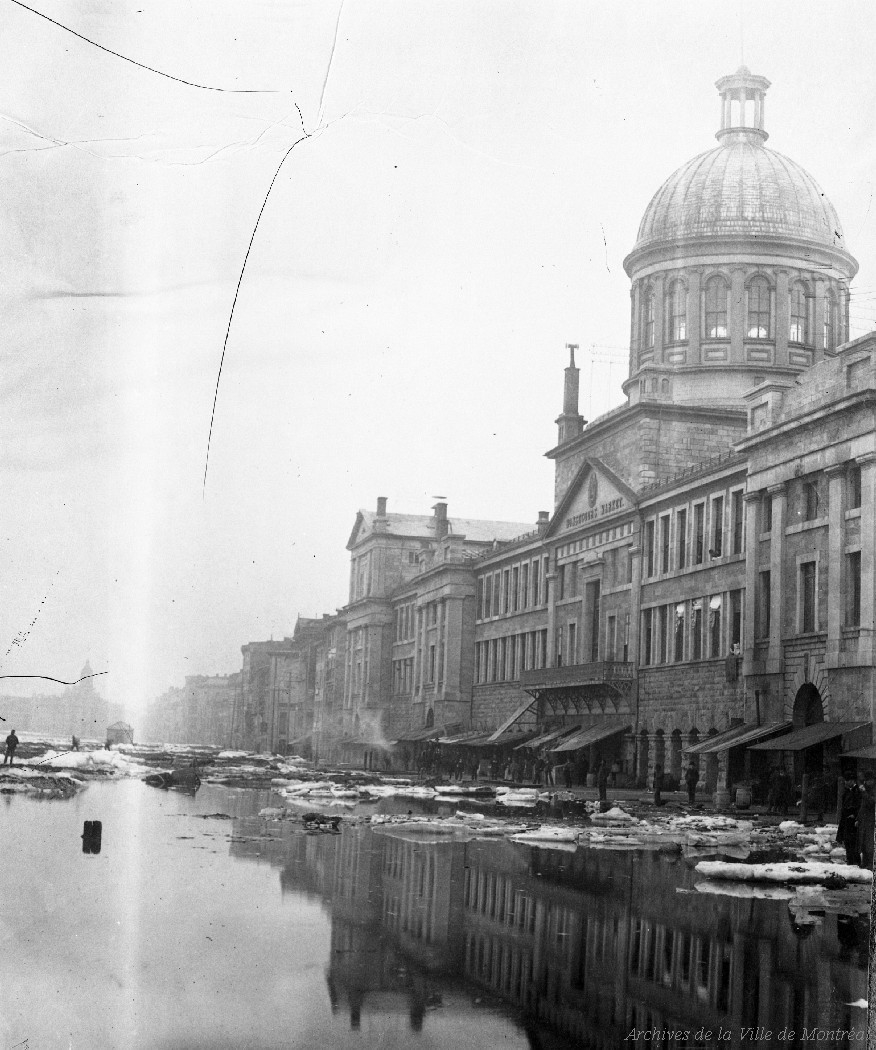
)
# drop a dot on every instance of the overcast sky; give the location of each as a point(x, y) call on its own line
point(472, 177)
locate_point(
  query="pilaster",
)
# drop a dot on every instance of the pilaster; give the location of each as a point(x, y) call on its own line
point(867, 631)
point(752, 501)
point(737, 314)
point(694, 316)
point(779, 494)
point(551, 650)
point(836, 476)
point(783, 318)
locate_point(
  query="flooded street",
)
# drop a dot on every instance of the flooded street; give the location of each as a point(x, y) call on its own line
point(190, 930)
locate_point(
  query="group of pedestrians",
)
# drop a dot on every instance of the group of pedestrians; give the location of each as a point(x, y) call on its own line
point(856, 820)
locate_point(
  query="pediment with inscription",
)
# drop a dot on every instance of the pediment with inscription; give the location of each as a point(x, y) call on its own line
point(595, 495)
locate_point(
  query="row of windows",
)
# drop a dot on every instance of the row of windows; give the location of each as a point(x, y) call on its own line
point(404, 622)
point(403, 675)
point(675, 958)
point(494, 896)
point(700, 629)
point(503, 659)
point(808, 611)
point(513, 589)
point(759, 312)
point(694, 540)
point(617, 570)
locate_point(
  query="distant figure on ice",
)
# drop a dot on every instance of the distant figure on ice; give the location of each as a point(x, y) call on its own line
point(691, 778)
point(11, 745)
point(75, 744)
point(602, 780)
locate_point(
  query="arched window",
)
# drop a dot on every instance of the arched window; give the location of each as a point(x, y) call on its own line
point(676, 313)
point(716, 308)
point(758, 309)
point(798, 331)
point(648, 318)
point(829, 322)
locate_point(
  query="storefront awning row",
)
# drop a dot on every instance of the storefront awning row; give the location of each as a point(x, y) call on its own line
point(736, 736)
point(809, 736)
point(592, 735)
point(546, 738)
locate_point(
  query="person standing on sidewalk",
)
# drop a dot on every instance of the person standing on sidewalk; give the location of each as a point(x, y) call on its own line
point(658, 784)
point(602, 781)
point(847, 828)
point(691, 778)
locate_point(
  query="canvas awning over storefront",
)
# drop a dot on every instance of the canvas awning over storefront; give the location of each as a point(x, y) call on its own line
point(592, 735)
point(863, 752)
point(736, 736)
point(427, 733)
point(463, 737)
point(524, 707)
point(809, 736)
point(510, 737)
point(546, 738)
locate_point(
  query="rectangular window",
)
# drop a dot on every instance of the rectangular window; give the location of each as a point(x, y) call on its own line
point(559, 644)
point(696, 630)
point(699, 536)
point(506, 584)
point(808, 622)
point(663, 635)
point(542, 648)
point(515, 588)
point(810, 500)
point(715, 610)
point(481, 598)
point(544, 575)
point(853, 589)
point(736, 620)
point(524, 587)
point(626, 650)
point(664, 543)
point(488, 597)
point(649, 548)
point(535, 583)
point(647, 616)
point(593, 613)
point(764, 603)
point(431, 663)
point(717, 548)
point(611, 638)
point(736, 511)
point(853, 487)
point(572, 648)
point(561, 582)
point(497, 588)
point(678, 646)
point(766, 514)
point(681, 539)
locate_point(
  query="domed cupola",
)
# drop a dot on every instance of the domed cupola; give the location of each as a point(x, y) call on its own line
point(739, 271)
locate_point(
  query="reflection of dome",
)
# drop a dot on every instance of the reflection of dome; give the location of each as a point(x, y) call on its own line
point(740, 189)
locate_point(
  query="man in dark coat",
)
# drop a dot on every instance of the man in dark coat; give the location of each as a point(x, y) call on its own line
point(847, 828)
point(691, 778)
point(11, 745)
point(866, 814)
point(602, 780)
point(658, 784)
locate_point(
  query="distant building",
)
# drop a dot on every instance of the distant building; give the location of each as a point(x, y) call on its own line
point(199, 712)
point(120, 733)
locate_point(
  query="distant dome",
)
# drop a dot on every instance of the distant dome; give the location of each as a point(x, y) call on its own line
point(740, 189)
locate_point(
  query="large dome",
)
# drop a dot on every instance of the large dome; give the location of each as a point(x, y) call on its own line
point(740, 189)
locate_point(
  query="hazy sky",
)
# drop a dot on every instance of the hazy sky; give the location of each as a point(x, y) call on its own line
point(473, 176)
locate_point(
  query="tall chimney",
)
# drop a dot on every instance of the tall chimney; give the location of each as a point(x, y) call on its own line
point(380, 523)
point(440, 511)
point(381, 506)
point(544, 519)
point(570, 424)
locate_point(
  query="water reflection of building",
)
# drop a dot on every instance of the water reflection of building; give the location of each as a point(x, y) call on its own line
point(584, 945)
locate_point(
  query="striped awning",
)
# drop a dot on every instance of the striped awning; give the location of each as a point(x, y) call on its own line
point(546, 738)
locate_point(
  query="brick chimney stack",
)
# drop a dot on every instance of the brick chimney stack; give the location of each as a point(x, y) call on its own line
point(570, 423)
point(380, 521)
point(441, 527)
point(544, 519)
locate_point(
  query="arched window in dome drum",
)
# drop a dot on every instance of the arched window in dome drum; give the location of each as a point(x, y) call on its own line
point(648, 318)
point(829, 322)
point(676, 313)
point(758, 308)
point(716, 308)
point(798, 331)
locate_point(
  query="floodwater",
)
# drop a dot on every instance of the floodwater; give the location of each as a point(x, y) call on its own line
point(197, 933)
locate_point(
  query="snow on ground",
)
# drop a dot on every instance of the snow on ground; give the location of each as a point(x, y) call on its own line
point(89, 761)
point(794, 871)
